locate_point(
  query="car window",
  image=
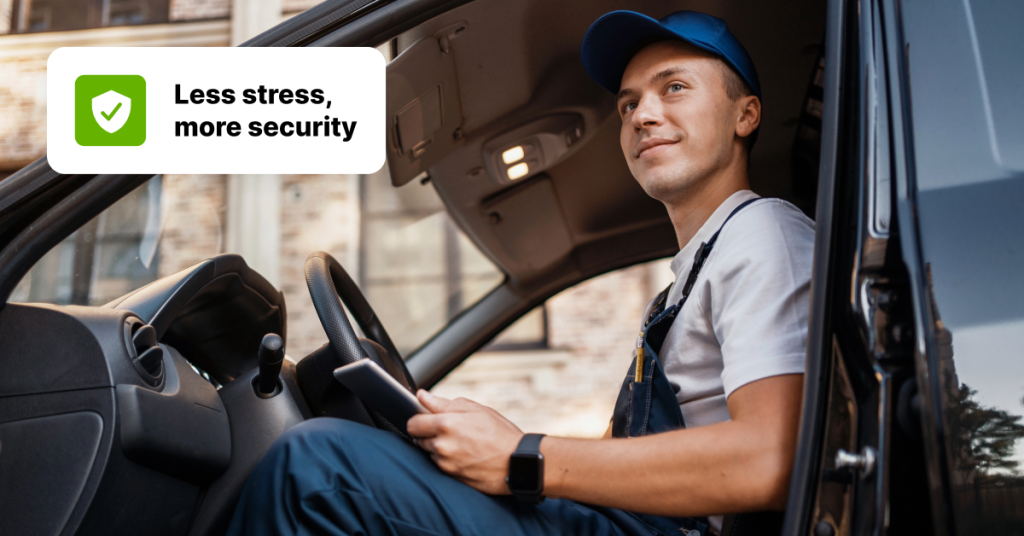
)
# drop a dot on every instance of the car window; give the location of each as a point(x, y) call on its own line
point(558, 369)
point(417, 269)
point(966, 71)
point(968, 139)
point(415, 266)
point(998, 45)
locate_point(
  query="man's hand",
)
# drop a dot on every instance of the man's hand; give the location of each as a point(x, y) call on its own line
point(468, 441)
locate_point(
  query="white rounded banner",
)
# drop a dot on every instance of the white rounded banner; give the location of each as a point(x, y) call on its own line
point(216, 110)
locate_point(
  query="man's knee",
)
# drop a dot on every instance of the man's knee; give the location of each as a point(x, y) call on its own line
point(322, 432)
point(312, 447)
point(324, 449)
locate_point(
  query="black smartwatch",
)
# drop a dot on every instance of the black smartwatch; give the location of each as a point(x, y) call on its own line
point(526, 470)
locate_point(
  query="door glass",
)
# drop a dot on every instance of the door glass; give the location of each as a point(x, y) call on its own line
point(415, 266)
point(110, 256)
point(965, 75)
point(418, 270)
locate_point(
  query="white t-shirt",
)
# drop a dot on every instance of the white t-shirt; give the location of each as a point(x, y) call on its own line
point(747, 316)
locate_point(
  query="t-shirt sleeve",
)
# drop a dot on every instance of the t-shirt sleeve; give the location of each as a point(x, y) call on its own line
point(760, 293)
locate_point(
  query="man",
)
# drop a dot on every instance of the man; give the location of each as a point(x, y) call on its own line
point(711, 402)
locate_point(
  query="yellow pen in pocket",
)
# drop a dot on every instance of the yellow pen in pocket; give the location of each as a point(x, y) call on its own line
point(639, 375)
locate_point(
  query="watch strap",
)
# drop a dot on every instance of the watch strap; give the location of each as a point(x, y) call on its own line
point(530, 445)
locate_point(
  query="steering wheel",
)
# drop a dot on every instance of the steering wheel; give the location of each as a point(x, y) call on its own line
point(330, 287)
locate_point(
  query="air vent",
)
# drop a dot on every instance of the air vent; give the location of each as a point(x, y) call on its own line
point(147, 356)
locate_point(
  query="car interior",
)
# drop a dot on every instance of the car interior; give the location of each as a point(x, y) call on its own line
point(147, 414)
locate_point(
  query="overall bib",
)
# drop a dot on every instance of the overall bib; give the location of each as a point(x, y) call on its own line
point(647, 404)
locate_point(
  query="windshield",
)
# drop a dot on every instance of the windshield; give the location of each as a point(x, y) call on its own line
point(415, 266)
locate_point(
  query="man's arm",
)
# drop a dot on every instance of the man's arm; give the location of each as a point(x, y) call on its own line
point(736, 466)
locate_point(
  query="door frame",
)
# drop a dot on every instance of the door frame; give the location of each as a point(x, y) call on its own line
point(805, 475)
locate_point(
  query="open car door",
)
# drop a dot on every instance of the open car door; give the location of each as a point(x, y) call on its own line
point(913, 404)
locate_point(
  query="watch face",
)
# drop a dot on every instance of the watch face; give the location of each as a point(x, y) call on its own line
point(525, 472)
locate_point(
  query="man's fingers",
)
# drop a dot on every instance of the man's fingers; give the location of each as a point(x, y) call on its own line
point(439, 449)
point(465, 405)
point(424, 425)
point(434, 403)
point(427, 445)
point(437, 404)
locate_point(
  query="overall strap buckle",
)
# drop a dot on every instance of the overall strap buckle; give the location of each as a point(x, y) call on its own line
point(698, 262)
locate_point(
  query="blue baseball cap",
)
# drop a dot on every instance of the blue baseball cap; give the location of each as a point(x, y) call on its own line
point(613, 39)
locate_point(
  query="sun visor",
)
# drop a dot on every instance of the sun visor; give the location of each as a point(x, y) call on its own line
point(423, 110)
point(528, 224)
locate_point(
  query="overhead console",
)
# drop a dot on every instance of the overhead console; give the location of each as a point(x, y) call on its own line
point(534, 147)
point(529, 226)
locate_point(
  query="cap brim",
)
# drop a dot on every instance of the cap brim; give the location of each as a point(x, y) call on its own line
point(611, 41)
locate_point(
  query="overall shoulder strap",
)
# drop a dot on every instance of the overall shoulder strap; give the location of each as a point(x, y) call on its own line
point(714, 238)
point(705, 249)
point(658, 305)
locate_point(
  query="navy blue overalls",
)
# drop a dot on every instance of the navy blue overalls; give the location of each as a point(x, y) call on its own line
point(647, 404)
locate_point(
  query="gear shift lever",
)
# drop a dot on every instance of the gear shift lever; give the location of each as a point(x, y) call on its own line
point(271, 357)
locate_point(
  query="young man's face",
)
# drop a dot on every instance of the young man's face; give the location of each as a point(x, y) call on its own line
point(679, 125)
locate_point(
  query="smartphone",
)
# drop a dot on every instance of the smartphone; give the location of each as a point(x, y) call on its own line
point(379, 391)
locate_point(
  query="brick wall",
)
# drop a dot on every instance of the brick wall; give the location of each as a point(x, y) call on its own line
point(194, 216)
point(22, 110)
point(23, 79)
point(570, 389)
point(181, 10)
point(6, 10)
point(319, 212)
point(291, 6)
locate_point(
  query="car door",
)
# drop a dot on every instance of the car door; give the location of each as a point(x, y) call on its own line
point(860, 466)
point(913, 412)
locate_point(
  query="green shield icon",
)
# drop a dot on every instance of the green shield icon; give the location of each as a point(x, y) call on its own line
point(110, 110)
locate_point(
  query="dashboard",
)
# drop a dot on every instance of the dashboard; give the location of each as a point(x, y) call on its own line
point(139, 416)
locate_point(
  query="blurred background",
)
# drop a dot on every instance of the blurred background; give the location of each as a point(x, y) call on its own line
point(556, 371)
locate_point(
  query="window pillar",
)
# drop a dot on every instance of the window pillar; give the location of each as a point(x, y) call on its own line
point(250, 18)
point(254, 222)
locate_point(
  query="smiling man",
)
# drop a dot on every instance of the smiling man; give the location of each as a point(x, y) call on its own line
point(706, 421)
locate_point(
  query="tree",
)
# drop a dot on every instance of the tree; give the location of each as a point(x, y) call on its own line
point(983, 438)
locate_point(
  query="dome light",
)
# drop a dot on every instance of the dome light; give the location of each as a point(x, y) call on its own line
point(514, 154)
point(518, 170)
